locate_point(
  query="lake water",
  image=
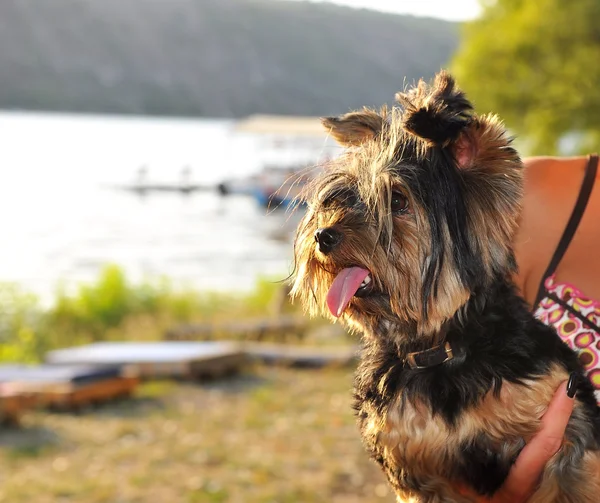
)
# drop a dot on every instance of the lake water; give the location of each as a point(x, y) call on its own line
point(62, 220)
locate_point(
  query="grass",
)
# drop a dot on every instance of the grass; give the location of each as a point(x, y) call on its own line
point(271, 435)
point(114, 309)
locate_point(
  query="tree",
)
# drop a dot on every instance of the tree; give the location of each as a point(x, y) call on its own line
point(536, 64)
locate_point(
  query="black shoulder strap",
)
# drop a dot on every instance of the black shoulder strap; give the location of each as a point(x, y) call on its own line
point(584, 195)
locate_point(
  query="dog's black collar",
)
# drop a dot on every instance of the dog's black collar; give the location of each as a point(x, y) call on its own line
point(430, 357)
point(441, 352)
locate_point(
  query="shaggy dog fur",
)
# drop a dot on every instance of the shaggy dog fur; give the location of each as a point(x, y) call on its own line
point(407, 239)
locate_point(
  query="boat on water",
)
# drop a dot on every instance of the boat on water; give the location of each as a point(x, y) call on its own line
point(289, 151)
point(274, 187)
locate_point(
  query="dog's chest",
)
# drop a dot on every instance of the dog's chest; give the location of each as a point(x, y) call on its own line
point(407, 435)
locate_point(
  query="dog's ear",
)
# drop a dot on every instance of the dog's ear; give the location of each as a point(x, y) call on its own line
point(485, 143)
point(354, 128)
point(437, 113)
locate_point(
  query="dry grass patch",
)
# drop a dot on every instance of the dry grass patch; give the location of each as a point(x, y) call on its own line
point(272, 435)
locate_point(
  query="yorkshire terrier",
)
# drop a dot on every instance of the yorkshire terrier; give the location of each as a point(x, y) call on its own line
point(407, 240)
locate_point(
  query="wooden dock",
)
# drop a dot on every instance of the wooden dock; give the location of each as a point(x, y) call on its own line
point(143, 189)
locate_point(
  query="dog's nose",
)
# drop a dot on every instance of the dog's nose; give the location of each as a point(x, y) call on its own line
point(327, 238)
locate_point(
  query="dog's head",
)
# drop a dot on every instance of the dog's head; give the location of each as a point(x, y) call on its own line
point(415, 216)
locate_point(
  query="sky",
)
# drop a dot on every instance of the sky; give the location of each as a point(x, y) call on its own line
point(454, 10)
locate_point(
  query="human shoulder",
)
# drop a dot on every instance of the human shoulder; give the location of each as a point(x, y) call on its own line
point(546, 173)
point(551, 186)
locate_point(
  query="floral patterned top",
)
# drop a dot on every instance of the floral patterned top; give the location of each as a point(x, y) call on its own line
point(577, 321)
point(575, 316)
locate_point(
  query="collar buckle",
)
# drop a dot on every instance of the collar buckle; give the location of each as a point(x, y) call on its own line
point(430, 357)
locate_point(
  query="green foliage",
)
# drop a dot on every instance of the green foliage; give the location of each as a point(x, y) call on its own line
point(112, 308)
point(96, 307)
point(19, 319)
point(265, 292)
point(534, 63)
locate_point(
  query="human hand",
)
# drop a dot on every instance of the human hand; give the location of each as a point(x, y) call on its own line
point(525, 473)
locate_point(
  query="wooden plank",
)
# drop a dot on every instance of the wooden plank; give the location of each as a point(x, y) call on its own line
point(66, 387)
point(279, 328)
point(13, 404)
point(89, 394)
point(302, 356)
point(52, 375)
point(157, 359)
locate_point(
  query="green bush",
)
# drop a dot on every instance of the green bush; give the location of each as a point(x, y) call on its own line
point(112, 308)
point(20, 317)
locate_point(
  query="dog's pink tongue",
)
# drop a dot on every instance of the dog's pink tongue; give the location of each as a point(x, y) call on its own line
point(343, 288)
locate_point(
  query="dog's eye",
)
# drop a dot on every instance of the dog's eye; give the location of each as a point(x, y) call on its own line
point(399, 203)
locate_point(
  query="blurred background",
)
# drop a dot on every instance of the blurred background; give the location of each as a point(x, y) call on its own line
point(150, 154)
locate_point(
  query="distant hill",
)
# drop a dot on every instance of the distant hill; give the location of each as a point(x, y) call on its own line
point(213, 58)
